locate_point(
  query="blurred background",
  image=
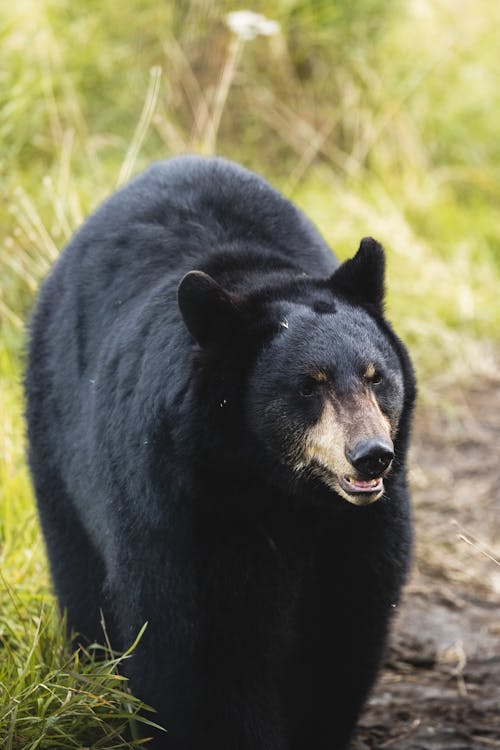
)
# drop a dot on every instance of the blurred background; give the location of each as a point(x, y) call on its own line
point(377, 117)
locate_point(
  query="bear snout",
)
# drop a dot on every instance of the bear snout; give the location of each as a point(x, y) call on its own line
point(371, 457)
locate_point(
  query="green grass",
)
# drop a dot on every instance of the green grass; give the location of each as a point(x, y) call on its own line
point(375, 118)
point(55, 698)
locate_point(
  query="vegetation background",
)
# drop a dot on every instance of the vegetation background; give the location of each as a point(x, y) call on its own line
point(377, 117)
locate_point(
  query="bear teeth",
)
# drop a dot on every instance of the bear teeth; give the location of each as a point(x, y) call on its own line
point(363, 483)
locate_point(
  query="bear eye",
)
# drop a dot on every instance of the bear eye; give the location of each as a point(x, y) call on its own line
point(308, 387)
point(372, 375)
point(310, 383)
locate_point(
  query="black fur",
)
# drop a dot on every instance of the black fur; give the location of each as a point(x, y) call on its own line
point(160, 434)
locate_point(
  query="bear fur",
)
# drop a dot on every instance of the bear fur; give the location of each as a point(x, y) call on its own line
point(199, 368)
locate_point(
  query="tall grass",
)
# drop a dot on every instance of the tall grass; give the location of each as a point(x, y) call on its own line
point(376, 117)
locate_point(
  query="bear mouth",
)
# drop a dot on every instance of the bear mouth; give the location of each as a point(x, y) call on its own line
point(354, 490)
point(355, 486)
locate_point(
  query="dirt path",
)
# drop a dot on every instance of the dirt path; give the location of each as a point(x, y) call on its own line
point(440, 689)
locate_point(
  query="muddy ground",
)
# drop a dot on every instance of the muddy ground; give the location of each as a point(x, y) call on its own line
point(440, 688)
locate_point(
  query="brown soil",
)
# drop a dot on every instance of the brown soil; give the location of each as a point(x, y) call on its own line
point(440, 687)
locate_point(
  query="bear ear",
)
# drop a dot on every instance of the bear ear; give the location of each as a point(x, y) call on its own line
point(209, 311)
point(362, 277)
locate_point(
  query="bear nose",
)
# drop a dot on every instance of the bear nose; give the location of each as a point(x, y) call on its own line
point(371, 457)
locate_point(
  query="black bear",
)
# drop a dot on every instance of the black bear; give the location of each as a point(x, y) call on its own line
point(218, 417)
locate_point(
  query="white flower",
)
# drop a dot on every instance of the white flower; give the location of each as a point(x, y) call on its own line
point(247, 25)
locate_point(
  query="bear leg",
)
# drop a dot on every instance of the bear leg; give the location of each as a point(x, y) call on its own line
point(77, 569)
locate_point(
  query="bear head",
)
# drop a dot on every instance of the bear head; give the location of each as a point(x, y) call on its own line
point(317, 378)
